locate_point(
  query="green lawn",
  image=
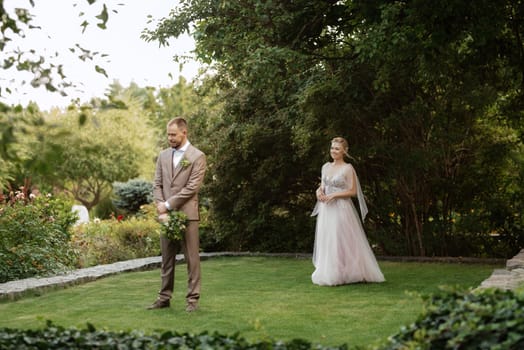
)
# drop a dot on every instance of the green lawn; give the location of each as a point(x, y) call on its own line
point(259, 297)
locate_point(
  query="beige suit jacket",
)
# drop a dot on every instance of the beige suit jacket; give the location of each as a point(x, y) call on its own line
point(180, 186)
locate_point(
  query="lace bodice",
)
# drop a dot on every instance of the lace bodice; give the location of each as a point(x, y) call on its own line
point(335, 180)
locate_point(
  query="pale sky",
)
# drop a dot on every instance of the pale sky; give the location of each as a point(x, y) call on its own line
point(130, 59)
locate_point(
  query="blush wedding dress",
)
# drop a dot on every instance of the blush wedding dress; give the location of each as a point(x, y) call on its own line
point(342, 254)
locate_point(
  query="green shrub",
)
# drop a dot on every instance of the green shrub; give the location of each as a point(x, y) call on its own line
point(104, 209)
point(35, 236)
point(56, 337)
point(132, 194)
point(107, 241)
point(487, 319)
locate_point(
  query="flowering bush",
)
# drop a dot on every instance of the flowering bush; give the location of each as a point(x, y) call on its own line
point(175, 226)
point(108, 241)
point(34, 236)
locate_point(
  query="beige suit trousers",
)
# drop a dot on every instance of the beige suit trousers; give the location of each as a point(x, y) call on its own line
point(191, 247)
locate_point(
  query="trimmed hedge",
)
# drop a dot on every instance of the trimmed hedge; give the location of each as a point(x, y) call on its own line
point(56, 337)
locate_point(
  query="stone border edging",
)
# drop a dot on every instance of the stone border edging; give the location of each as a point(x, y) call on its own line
point(442, 259)
point(15, 289)
point(510, 278)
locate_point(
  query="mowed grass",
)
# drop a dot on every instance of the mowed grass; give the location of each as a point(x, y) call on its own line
point(261, 298)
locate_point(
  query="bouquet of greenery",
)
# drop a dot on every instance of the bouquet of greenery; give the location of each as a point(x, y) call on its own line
point(174, 225)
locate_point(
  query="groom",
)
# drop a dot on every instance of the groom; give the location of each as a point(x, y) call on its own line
point(179, 174)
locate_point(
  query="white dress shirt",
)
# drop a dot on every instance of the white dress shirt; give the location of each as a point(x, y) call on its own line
point(178, 154)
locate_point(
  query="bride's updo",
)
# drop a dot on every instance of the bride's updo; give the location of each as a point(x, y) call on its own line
point(343, 142)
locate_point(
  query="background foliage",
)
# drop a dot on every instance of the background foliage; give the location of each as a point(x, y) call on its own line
point(34, 236)
point(131, 195)
point(430, 98)
point(108, 241)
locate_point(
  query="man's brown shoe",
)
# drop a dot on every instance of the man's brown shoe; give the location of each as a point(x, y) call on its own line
point(191, 307)
point(158, 305)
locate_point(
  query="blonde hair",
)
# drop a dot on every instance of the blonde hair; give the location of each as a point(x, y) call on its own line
point(344, 144)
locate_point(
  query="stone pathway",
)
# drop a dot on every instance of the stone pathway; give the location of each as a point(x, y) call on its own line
point(509, 278)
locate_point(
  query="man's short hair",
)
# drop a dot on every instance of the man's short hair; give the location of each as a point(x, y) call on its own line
point(179, 121)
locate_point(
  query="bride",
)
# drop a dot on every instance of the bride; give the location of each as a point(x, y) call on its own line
point(341, 253)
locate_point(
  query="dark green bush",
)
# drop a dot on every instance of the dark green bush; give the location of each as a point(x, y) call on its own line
point(34, 237)
point(132, 194)
point(55, 337)
point(487, 319)
point(104, 209)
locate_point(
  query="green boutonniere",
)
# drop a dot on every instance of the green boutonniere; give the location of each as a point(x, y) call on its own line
point(185, 163)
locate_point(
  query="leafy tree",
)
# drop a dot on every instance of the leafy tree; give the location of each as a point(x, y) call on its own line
point(111, 145)
point(177, 100)
point(425, 94)
point(257, 188)
point(14, 122)
point(161, 104)
point(45, 70)
point(436, 86)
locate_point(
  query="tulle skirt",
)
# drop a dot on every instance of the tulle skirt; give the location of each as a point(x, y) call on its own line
point(342, 253)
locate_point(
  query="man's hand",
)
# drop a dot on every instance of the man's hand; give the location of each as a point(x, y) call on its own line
point(163, 217)
point(161, 208)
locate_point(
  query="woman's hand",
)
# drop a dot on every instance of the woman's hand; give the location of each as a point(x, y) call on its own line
point(325, 198)
point(320, 194)
point(328, 198)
